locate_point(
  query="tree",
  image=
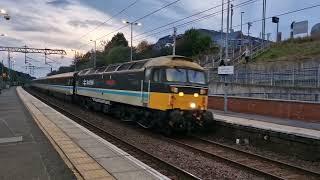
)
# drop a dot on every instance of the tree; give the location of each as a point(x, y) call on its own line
point(117, 55)
point(117, 40)
point(144, 50)
point(142, 46)
point(193, 43)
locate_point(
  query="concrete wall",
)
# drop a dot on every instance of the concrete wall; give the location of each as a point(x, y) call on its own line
point(309, 112)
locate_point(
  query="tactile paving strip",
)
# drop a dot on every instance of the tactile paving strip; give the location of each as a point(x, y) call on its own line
point(84, 164)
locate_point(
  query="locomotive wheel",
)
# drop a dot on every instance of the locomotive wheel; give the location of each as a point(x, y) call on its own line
point(208, 120)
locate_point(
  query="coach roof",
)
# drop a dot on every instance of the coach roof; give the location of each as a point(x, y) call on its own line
point(63, 75)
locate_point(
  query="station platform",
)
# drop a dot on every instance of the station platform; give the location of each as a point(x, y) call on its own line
point(287, 126)
point(25, 152)
point(86, 153)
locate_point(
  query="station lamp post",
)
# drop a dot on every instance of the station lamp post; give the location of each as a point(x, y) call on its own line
point(4, 14)
point(276, 20)
point(75, 59)
point(95, 53)
point(131, 24)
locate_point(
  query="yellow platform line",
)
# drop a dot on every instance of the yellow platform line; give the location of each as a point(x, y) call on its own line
point(82, 164)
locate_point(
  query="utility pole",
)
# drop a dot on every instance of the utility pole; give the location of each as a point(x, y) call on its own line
point(75, 59)
point(222, 42)
point(95, 55)
point(227, 35)
point(174, 41)
point(263, 20)
point(231, 30)
point(45, 58)
point(278, 39)
point(241, 32)
point(9, 66)
point(25, 55)
point(131, 47)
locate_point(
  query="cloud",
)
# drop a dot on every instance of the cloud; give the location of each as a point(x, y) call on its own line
point(59, 3)
point(10, 41)
point(87, 23)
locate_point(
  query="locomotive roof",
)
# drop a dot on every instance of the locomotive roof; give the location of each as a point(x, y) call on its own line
point(163, 61)
point(173, 61)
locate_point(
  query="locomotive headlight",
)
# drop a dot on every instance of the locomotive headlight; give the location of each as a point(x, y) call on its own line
point(181, 94)
point(174, 89)
point(193, 105)
point(196, 95)
point(203, 91)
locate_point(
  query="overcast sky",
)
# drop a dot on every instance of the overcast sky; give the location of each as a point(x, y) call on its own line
point(62, 24)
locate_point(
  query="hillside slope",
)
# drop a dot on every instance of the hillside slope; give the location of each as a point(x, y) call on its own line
point(290, 50)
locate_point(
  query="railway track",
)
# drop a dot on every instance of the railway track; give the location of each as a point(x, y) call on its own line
point(269, 168)
point(163, 167)
point(254, 163)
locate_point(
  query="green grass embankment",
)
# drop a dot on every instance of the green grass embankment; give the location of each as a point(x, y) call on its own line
point(293, 49)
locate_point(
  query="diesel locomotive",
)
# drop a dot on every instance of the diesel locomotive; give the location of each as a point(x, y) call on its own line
point(168, 93)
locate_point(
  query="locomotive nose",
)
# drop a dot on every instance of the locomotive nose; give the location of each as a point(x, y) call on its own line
point(192, 101)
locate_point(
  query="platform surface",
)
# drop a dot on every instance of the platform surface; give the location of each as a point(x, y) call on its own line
point(92, 156)
point(287, 126)
point(25, 152)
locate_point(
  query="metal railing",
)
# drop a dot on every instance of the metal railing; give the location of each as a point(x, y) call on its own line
point(305, 77)
point(315, 98)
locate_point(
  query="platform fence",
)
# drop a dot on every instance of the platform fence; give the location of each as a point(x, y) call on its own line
point(303, 77)
point(314, 98)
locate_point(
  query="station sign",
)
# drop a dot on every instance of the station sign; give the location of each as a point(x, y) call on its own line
point(225, 70)
point(300, 27)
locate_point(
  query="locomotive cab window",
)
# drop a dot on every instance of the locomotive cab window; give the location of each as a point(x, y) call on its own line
point(156, 75)
point(196, 77)
point(176, 75)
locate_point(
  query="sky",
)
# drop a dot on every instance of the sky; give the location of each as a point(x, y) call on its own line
point(71, 24)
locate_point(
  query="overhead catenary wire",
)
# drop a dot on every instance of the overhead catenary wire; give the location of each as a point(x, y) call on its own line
point(182, 19)
point(112, 17)
point(147, 15)
point(201, 18)
point(283, 14)
point(254, 21)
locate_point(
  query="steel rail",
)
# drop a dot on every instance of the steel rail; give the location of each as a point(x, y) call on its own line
point(260, 168)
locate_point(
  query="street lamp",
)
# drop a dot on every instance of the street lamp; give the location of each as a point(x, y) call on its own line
point(75, 59)
point(95, 53)
point(131, 24)
point(2, 11)
point(5, 14)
